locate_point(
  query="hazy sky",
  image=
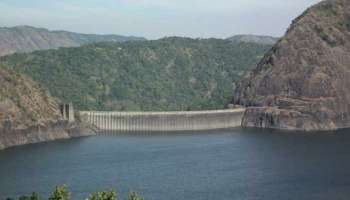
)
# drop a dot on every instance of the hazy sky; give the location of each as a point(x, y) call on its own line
point(156, 18)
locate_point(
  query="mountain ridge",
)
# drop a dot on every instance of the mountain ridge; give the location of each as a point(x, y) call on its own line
point(21, 39)
point(259, 39)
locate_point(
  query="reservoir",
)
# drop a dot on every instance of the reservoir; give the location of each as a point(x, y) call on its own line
point(229, 164)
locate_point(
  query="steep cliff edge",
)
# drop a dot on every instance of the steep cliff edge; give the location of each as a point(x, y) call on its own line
point(303, 82)
point(28, 114)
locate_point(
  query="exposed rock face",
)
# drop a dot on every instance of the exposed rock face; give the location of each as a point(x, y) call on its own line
point(28, 114)
point(28, 39)
point(303, 83)
point(49, 132)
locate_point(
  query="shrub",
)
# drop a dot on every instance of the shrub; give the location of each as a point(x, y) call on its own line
point(111, 195)
point(134, 196)
point(34, 196)
point(60, 193)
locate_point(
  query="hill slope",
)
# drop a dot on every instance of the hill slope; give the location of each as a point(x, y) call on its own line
point(303, 82)
point(259, 39)
point(28, 114)
point(166, 74)
point(23, 103)
point(28, 39)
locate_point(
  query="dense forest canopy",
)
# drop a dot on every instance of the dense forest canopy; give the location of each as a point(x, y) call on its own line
point(166, 74)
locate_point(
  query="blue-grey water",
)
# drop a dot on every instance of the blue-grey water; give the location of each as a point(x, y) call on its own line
point(219, 165)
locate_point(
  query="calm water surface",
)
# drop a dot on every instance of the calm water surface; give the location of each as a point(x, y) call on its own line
point(233, 164)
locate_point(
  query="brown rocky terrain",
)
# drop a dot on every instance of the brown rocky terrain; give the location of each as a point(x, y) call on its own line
point(303, 82)
point(27, 39)
point(28, 114)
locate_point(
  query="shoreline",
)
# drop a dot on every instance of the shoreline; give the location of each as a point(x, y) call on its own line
point(38, 134)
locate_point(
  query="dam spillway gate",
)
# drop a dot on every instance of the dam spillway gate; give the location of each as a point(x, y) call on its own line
point(163, 121)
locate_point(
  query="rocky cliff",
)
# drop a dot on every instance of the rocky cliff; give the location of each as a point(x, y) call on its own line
point(28, 39)
point(28, 114)
point(303, 82)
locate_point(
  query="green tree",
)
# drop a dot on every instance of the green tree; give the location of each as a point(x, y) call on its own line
point(24, 198)
point(60, 193)
point(35, 196)
point(134, 196)
point(106, 195)
point(162, 75)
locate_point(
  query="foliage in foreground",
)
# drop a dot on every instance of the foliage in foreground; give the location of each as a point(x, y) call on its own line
point(62, 193)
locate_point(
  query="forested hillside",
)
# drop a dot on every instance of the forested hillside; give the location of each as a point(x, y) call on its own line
point(259, 39)
point(167, 74)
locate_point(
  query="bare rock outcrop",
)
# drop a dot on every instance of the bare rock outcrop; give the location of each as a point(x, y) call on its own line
point(303, 82)
point(28, 114)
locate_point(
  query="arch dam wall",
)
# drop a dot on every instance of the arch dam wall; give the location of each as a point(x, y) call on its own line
point(163, 121)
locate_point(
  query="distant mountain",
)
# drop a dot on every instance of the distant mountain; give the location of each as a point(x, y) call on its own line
point(259, 39)
point(28, 39)
point(168, 74)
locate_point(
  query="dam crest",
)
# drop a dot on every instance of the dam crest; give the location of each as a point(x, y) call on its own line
point(163, 121)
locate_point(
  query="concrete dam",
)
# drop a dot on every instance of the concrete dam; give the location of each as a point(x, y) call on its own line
point(163, 121)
